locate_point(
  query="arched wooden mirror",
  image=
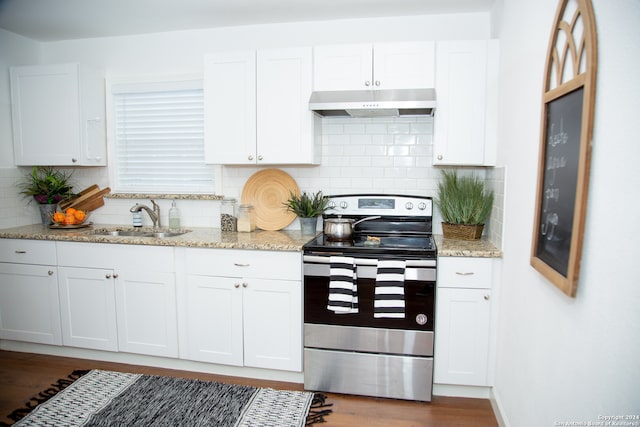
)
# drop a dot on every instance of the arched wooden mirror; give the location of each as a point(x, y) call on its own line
point(568, 99)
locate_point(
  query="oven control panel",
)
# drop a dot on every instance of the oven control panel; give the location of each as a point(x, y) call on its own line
point(377, 204)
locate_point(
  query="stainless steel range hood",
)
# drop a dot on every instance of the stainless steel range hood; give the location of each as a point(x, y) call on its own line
point(374, 103)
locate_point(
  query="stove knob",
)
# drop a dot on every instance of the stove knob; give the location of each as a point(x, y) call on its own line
point(422, 206)
point(343, 205)
point(421, 319)
point(408, 206)
point(332, 204)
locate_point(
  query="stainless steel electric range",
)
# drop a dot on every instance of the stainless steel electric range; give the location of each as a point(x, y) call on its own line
point(369, 301)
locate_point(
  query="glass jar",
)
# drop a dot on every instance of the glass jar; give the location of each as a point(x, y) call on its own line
point(246, 219)
point(228, 220)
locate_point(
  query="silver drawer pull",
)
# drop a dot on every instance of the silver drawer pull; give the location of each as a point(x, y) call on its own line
point(470, 273)
point(21, 252)
point(239, 264)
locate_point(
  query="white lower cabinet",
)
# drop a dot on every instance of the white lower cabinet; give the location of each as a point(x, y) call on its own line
point(118, 298)
point(243, 308)
point(88, 305)
point(463, 321)
point(29, 309)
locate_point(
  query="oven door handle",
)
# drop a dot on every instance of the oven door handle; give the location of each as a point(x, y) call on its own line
point(370, 262)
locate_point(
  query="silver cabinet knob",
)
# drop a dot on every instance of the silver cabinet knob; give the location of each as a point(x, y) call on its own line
point(260, 157)
point(245, 284)
point(115, 276)
point(250, 157)
point(487, 297)
point(236, 285)
point(377, 82)
point(107, 276)
point(50, 273)
point(367, 83)
point(73, 160)
point(439, 156)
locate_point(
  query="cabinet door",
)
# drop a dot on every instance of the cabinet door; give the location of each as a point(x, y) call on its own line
point(146, 313)
point(342, 67)
point(58, 115)
point(88, 308)
point(284, 121)
point(214, 319)
point(29, 308)
point(461, 87)
point(404, 65)
point(462, 336)
point(230, 107)
point(273, 324)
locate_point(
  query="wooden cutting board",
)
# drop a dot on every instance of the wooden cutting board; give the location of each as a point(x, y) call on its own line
point(95, 202)
point(68, 202)
point(89, 199)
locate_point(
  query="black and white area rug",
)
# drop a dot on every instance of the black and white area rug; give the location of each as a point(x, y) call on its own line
point(105, 398)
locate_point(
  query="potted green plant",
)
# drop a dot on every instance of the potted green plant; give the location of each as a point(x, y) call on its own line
point(464, 204)
point(47, 186)
point(307, 207)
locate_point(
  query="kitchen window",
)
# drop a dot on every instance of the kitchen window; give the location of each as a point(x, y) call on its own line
point(156, 138)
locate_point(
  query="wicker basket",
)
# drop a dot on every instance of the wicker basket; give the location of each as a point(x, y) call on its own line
point(462, 231)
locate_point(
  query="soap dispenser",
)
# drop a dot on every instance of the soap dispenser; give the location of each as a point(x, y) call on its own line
point(174, 217)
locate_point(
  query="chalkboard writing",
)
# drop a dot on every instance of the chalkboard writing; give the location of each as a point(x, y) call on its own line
point(558, 196)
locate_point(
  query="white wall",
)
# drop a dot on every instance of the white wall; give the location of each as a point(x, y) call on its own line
point(571, 359)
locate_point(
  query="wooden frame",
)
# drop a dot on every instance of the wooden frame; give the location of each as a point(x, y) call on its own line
point(568, 99)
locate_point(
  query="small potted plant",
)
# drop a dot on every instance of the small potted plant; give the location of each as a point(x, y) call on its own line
point(464, 204)
point(308, 207)
point(47, 186)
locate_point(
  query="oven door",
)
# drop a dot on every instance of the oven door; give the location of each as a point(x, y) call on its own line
point(362, 332)
point(420, 280)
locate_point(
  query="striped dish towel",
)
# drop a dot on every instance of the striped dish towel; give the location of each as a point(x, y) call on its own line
point(389, 299)
point(343, 288)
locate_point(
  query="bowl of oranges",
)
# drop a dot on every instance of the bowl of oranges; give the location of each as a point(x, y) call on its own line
point(70, 218)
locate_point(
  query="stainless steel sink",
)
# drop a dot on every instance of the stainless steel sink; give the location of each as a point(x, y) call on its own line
point(166, 233)
point(135, 233)
point(121, 233)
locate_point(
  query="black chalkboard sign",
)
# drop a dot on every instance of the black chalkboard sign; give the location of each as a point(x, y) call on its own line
point(566, 131)
point(560, 180)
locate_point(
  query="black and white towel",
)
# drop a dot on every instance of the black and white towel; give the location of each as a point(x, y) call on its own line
point(389, 298)
point(343, 288)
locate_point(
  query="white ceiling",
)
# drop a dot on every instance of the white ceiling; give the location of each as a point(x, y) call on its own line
point(50, 20)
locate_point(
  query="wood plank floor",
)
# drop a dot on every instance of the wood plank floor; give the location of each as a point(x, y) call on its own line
point(23, 375)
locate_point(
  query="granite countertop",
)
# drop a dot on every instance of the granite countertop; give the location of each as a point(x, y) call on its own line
point(481, 248)
point(284, 240)
point(196, 237)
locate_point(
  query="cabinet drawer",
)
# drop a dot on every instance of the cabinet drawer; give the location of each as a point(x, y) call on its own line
point(243, 263)
point(101, 255)
point(22, 251)
point(455, 272)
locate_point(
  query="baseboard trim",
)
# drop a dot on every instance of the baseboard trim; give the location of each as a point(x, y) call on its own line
point(154, 361)
point(462, 391)
point(498, 409)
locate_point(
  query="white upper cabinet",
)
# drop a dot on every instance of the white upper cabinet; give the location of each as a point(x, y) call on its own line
point(230, 107)
point(256, 107)
point(58, 114)
point(466, 90)
point(374, 66)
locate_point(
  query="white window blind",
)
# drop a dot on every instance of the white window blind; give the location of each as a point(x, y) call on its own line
point(159, 139)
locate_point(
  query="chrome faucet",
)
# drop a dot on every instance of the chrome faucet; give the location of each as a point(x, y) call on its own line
point(153, 214)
